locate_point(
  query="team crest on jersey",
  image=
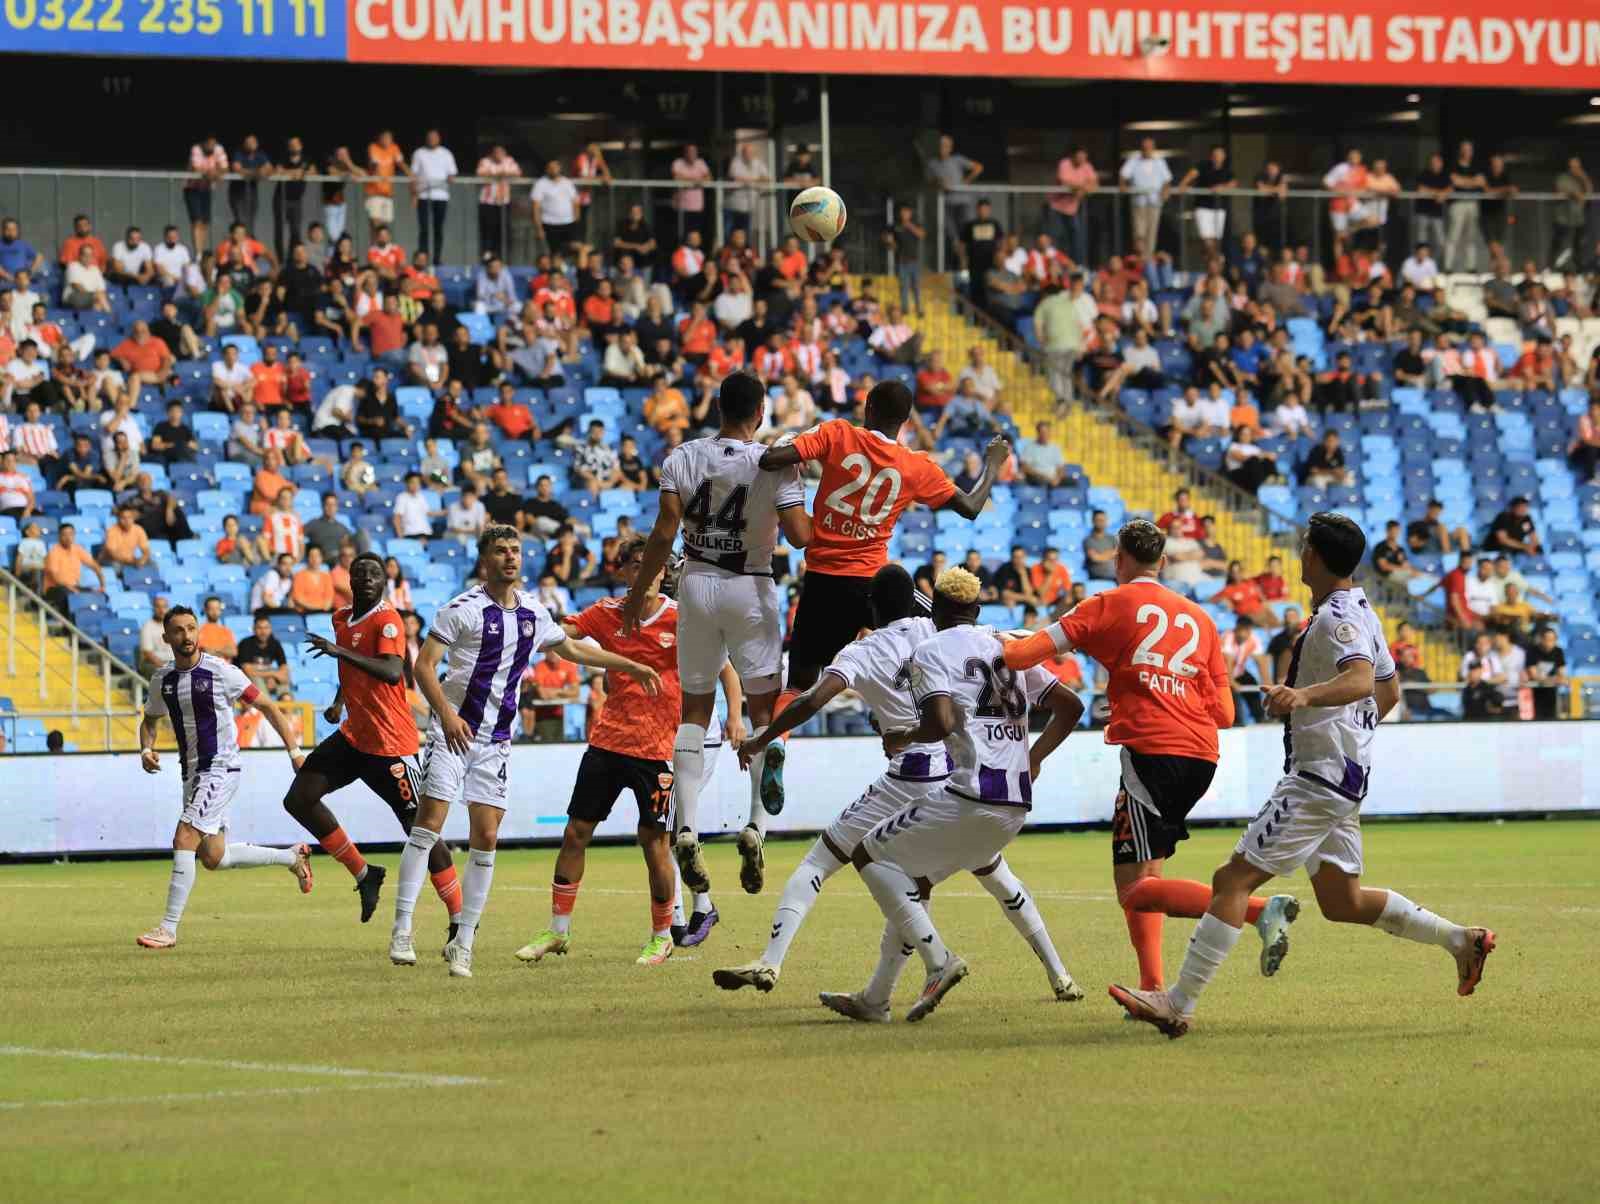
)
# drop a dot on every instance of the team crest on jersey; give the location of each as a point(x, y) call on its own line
point(664, 780)
point(200, 686)
point(527, 630)
point(1345, 633)
point(667, 639)
point(397, 770)
point(355, 639)
point(389, 631)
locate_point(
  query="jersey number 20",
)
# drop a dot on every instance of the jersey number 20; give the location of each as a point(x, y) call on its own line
point(1145, 653)
point(879, 491)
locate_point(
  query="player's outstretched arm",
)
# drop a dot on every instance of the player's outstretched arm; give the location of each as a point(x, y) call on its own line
point(1042, 645)
point(599, 658)
point(970, 504)
point(656, 550)
point(389, 668)
point(781, 455)
point(1352, 685)
point(280, 724)
point(1066, 710)
point(796, 526)
point(792, 716)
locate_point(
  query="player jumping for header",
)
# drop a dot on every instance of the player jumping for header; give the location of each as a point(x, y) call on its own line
point(1169, 693)
point(197, 692)
point(1340, 685)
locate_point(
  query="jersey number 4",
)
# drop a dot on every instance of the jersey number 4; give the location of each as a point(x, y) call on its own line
point(879, 491)
point(729, 518)
point(1145, 653)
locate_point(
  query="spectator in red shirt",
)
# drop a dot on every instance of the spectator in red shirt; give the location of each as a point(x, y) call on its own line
point(513, 418)
point(386, 333)
point(697, 335)
point(1244, 596)
point(1050, 578)
point(146, 359)
point(1273, 587)
point(83, 235)
point(270, 377)
point(1457, 611)
point(241, 253)
point(423, 282)
point(1181, 522)
point(387, 257)
point(934, 387)
point(297, 382)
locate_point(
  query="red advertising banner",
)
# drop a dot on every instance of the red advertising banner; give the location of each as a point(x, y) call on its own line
point(1468, 43)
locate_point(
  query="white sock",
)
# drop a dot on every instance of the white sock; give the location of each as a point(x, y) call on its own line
point(240, 856)
point(677, 896)
point(688, 767)
point(702, 902)
point(758, 813)
point(413, 869)
point(1023, 913)
point(893, 954)
point(474, 894)
point(178, 888)
point(1405, 919)
point(799, 893)
point(1209, 947)
point(898, 898)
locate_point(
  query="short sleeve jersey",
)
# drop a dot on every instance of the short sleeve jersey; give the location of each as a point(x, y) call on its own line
point(489, 650)
point(989, 748)
point(1165, 667)
point(730, 506)
point(867, 483)
point(633, 723)
point(199, 702)
point(1333, 745)
point(377, 717)
point(877, 667)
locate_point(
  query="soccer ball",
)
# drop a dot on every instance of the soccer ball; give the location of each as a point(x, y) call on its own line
point(817, 215)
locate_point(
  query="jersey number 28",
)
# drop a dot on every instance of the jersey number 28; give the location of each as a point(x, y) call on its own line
point(1145, 653)
point(1001, 696)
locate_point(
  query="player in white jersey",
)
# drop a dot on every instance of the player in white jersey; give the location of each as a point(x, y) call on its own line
point(486, 637)
point(731, 608)
point(875, 667)
point(197, 692)
point(1341, 683)
point(978, 708)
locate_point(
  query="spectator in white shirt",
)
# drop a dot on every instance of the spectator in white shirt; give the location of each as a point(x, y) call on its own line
point(1421, 269)
point(466, 517)
point(154, 651)
point(1482, 655)
point(623, 363)
point(985, 380)
point(1291, 419)
point(119, 419)
point(170, 259)
point(1149, 179)
point(432, 169)
point(495, 292)
point(555, 208)
point(429, 362)
point(231, 381)
point(85, 284)
point(132, 261)
point(23, 299)
point(742, 206)
point(412, 517)
point(271, 591)
point(1191, 419)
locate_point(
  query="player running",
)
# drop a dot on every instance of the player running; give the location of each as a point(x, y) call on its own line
point(730, 512)
point(197, 692)
point(486, 638)
point(1169, 692)
point(630, 748)
point(377, 742)
point(875, 667)
point(1341, 683)
point(868, 481)
point(967, 698)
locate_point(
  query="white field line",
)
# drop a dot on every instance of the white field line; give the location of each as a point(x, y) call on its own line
point(194, 1097)
point(1085, 896)
point(398, 1078)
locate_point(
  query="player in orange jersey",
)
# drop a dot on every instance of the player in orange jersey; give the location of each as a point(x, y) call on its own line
point(377, 741)
point(630, 748)
point(1169, 693)
point(868, 481)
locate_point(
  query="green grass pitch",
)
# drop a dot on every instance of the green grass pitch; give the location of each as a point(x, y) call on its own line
point(279, 1057)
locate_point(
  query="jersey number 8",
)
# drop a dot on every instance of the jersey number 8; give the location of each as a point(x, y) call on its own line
point(1144, 654)
point(882, 486)
point(1001, 696)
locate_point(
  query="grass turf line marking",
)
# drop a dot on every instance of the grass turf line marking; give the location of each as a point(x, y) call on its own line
point(401, 1078)
point(195, 1097)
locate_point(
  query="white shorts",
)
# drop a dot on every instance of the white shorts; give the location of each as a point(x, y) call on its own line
point(1307, 824)
point(943, 835)
point(380, 209)
point(880, 801)
point(1356, 216)
point(478, 777)
point(723, 617)
point(207, 797)
point(1209, 223)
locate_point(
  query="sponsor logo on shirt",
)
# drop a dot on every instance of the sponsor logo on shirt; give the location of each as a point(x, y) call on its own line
point(527, 630)
point(1345, 633)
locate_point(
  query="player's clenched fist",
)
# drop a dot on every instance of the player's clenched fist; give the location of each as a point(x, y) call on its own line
point(150, 760)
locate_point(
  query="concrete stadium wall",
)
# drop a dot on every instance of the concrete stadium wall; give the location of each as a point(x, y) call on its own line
point(102, 803)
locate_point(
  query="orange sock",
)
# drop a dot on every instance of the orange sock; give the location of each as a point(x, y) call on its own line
point(1144, 931)
point(660, 917)
point(343, 850)
point(563, 898)
point(448, 886)
point(785, 697)
point(1180, 897)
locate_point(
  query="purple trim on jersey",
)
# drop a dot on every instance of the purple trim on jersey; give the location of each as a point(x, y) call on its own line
point(527, 625)
point(492, 644)
point(1025, 786)
point(915, 765)
point(205, 716)
point(169, 695)
point(993, 784)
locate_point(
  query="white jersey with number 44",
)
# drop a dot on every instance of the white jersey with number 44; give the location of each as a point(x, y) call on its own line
point(730, 506)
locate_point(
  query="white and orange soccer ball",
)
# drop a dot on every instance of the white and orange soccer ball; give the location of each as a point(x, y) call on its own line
point(817, 215)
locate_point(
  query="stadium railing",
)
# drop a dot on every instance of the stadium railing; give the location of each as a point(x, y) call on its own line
point(1301, 218)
